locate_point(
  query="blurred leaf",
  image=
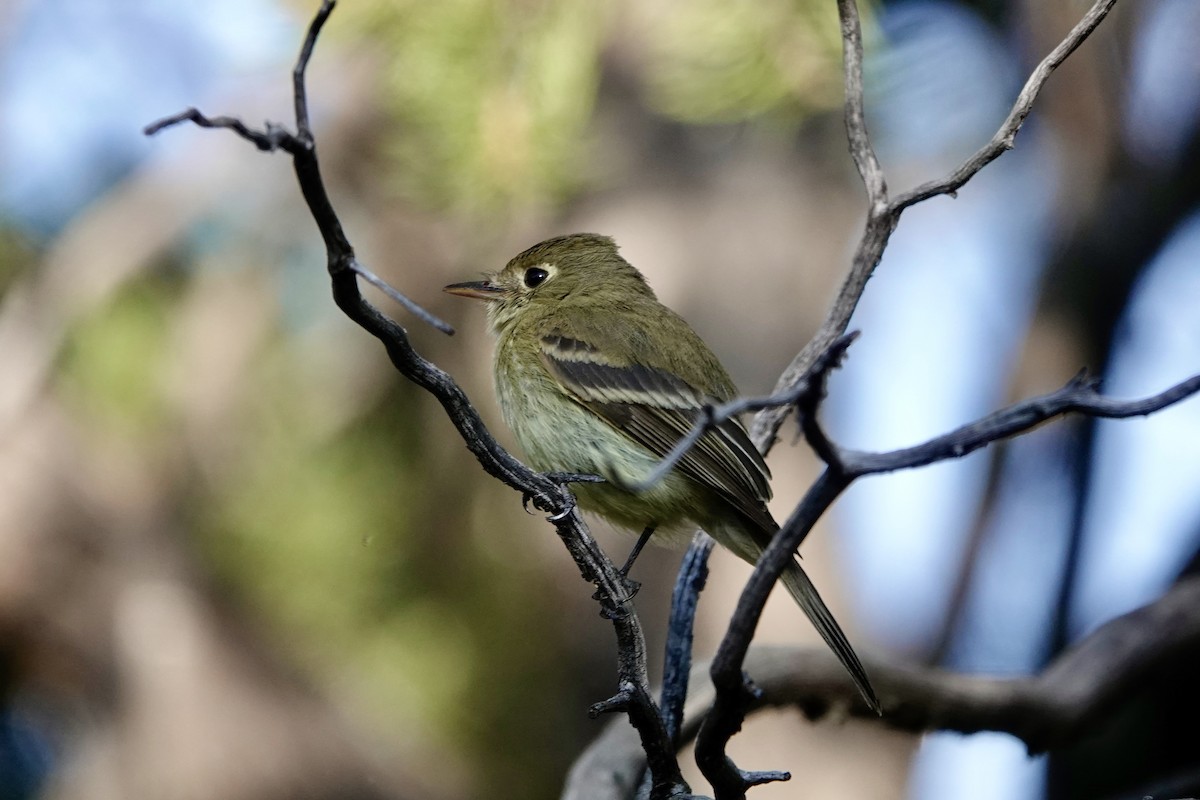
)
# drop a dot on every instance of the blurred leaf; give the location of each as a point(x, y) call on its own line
point(491, 97)
point(726, 60)
point(114, 360)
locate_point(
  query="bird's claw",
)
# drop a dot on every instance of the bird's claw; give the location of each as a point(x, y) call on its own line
point(560, 479)
point(621, 609)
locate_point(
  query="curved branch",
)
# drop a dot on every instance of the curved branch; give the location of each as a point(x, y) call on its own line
point(1072, 697)
point(733, 699)
point(693, 570)
point(1078, 396)
point(1004, 138)
point(543, 491)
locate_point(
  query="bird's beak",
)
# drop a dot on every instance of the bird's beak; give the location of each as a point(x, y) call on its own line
point(479, 290)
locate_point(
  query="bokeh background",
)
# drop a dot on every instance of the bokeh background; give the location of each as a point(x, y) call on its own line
point(240, 558)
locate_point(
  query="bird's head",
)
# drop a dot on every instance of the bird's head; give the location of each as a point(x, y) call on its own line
point(582, 268)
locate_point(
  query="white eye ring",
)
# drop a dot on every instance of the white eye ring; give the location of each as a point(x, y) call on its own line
point(535, 277)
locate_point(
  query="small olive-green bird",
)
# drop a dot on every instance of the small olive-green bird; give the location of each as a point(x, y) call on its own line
point(595, 376)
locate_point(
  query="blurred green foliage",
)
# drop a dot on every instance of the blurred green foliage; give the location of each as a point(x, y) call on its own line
point(315, 530)
point(114, 361)
point(728, 60)
point(493, 99)
point(362, 553)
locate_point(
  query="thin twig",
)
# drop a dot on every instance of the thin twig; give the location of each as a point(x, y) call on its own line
point(420, 313)
point(1077, 396)
point(710, 417)
point(861, 149)
point(1004, 138)
point(299, 92)
point(269, 140)
point(882, 220)
point(880, 223)
point(277, 137)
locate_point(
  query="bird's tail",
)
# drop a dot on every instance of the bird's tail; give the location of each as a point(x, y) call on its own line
point(801, 588)
point(748, 543)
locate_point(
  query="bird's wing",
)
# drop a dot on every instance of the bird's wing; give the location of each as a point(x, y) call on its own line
point(656, 407)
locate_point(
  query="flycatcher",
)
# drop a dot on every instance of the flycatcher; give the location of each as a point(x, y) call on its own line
point(595, 376)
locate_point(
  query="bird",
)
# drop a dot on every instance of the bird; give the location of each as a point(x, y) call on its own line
point(595, 376)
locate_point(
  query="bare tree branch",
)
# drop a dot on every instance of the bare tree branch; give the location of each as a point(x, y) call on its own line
point(693, 573)
point(1078, 396)
point(411, 306)
point(735, 695)
point(273, 138)
point(633, 696)
point(1075, 696)
point(733, 699)
point(882, 215)
point(1004, 138)
point(693, 570)
point(1072, 697)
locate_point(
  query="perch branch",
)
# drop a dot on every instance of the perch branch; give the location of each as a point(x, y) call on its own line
point(543, 491)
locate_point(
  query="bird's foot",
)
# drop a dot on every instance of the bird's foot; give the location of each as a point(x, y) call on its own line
point(622, 607)
point(561, 479)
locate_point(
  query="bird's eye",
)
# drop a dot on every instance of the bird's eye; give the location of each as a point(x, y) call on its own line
point(535, 276)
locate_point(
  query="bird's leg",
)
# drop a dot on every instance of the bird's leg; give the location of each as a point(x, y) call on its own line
point(630, 584)
point(637, 549)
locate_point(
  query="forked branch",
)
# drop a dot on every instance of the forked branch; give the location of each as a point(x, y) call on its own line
point(883, 215)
